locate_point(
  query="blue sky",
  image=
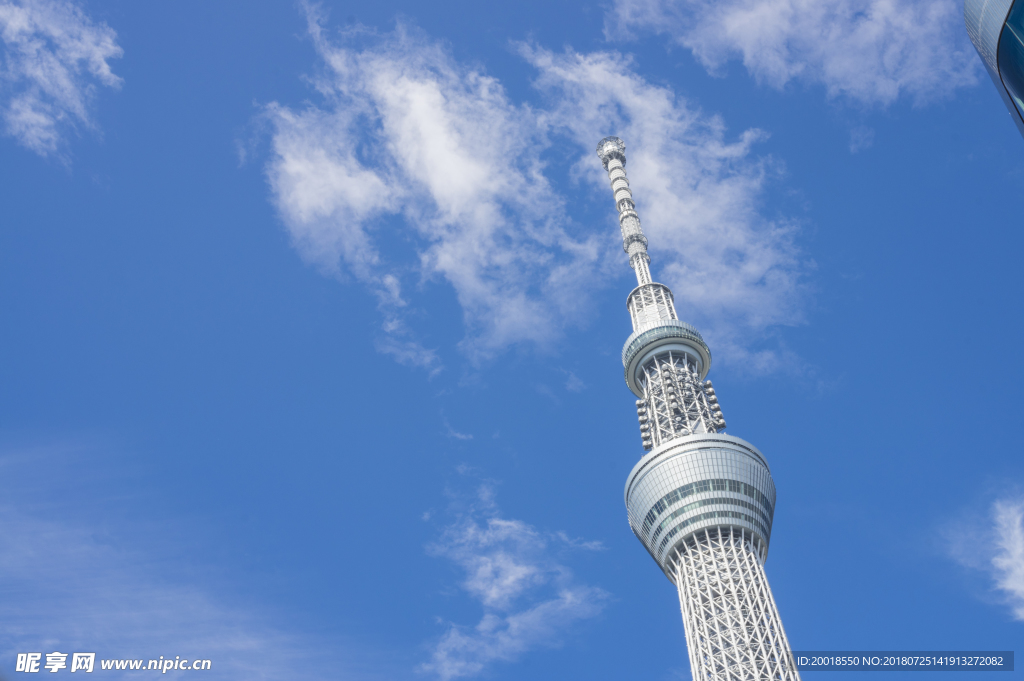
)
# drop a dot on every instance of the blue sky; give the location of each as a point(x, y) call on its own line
point(312, 320)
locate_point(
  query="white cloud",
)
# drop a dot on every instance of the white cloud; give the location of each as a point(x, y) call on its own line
point(452, 433)
point(733, 273)
point(861, 138)
point(68, 590)
point(1008, 561)
point(530, 600)
point(77, 579)
point(870, 51)
point(573, 383)
point(994, 545)
point(406, 134)
point(410, 148)
point(53, 56)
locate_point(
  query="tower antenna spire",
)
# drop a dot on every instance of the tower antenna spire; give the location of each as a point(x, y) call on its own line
point(700, 501)
point(612, 152)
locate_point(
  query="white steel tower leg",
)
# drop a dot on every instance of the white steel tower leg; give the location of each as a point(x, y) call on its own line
point(733, 630)
point(701, 502)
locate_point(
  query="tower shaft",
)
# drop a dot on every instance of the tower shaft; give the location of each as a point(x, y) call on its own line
point(701, 502)
point(733, 630)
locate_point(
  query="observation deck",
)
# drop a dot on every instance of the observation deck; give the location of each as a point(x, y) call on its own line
point(660, 337)
point(697, 482)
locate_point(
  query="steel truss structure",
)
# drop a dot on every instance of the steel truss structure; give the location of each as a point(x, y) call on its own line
point(733, 630)
point(675, 402)
point(701, 502)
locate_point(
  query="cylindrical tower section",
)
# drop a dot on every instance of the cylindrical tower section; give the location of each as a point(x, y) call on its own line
point(697, 482)
point(649, 305)
point(669, 334)
point(702, 506)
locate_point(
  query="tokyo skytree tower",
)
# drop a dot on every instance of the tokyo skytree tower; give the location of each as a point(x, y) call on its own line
point(700, 501)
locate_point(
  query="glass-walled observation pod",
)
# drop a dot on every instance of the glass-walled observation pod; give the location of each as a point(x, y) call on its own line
point(996, 28)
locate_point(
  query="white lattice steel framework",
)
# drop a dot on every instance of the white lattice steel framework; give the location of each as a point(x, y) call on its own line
point(732, 624)
point(700, 501)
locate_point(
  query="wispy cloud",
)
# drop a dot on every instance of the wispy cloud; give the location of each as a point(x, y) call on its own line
point(529, 599)
point(409, 144)
point(1008, 561)
point(573, 383)
point(68, 590)
point(870, 51)
point(410, 147)
point(861, 138)
point(452, 433)
point(75, 579)
point(733, 272)
point(396, 341)
point(995, 546)
point(53, 57)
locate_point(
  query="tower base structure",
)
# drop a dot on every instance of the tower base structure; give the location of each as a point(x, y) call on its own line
point(702, 505)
